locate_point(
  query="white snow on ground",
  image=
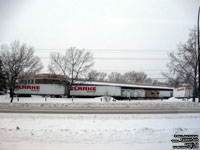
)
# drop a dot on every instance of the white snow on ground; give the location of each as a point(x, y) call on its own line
point(40, 99)
point(38, 102)
point(94, 131)
point(172, 99)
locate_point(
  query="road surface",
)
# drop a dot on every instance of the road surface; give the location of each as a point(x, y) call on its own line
point(100, 111)
point(104, 108)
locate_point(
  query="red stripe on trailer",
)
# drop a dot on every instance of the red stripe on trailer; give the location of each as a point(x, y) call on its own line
point(182, 89)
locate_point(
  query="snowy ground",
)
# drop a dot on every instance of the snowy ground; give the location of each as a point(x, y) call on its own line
point(38, 102)
point(94, 131)
point(40, 99)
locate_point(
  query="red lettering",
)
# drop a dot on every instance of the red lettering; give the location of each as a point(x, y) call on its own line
point(17, 87)
point(34, 87)
point(182, 89)
point(84, 88)
point(80, 88)
point(28, 87)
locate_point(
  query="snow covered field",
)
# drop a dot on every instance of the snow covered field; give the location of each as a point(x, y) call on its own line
point(38, 102)
point(21, 131)
point(94, 131)
point(40, 99)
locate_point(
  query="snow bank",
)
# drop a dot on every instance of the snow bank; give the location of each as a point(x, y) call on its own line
point(40, 99)
point(173, 99)
point(38, 102)
point(53, 131)
point(105, 99)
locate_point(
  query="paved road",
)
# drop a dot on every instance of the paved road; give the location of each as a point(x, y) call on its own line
point(101, 108)
point(101, 111)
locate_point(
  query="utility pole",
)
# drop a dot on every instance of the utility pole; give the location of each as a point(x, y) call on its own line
point(198, 49)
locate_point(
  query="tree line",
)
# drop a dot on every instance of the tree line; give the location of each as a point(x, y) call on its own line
point(132, 77)
point(18, 61)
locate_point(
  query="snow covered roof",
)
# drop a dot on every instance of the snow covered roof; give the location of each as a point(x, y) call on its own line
point(52, 76)
point(127, 85)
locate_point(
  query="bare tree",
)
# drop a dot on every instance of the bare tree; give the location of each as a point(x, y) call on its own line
point(18, 61)
point(173, 81)
point(74, 65)
point(183, 65)
point(130, 77)
point(115, 77)
point(149, 81)
point(134, 77)
point(2, 78)
point(97, 76)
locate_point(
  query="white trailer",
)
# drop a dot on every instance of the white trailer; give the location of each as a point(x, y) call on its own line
point(165, 94)
point(85, 90)
point(58, 89)
point(128, 93)
point(40, 89)
point(139, 93)
point(182, 92)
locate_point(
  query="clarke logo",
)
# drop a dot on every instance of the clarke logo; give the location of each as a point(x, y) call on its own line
point(27, 87)
point(83, 88)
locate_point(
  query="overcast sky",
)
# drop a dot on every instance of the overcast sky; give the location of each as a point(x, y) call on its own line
point(110, 28)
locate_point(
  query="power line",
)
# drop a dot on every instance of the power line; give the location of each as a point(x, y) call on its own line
point(49, 49)
point(127, 70)
point(121, 58)
point(133, 58)
point(149, 75)
point(130, 70)
point(106, 50)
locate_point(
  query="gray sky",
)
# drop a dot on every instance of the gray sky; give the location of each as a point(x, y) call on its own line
point(134, 27)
